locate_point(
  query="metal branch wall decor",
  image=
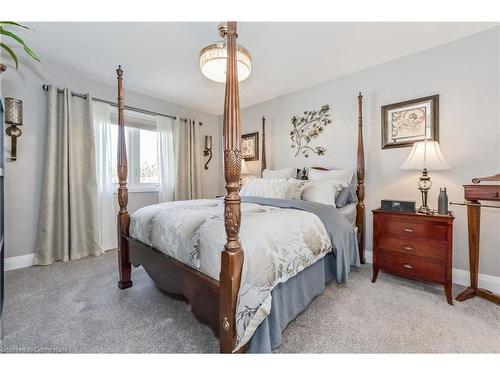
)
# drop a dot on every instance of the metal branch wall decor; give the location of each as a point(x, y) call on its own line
point(308, 127)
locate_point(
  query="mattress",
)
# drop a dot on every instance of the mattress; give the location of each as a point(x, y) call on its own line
point(280, 238)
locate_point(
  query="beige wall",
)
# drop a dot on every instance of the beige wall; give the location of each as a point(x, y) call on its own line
point(24, 176)
point(465, 73)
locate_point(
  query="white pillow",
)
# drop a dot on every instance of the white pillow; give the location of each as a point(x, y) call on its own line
point(334, 174)
point(279, 173)
point(323, 191)
point(266, 187)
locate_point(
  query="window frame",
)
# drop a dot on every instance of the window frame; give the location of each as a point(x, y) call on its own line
point(133, 141)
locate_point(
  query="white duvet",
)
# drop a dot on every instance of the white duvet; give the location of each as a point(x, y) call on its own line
point(277, 244)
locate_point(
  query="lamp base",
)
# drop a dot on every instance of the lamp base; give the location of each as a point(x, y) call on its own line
point(425, 210)
point(424, 184)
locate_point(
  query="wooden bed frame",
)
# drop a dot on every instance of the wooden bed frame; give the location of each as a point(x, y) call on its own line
point(213, 302)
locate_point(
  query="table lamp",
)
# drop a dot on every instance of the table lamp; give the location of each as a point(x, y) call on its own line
point(425, 156)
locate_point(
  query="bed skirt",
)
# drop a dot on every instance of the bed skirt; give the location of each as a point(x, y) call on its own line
point(289, 299)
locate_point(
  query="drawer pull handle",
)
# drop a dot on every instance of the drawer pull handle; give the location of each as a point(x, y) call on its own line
point(408, 230)
point(409, 248)
point(409, 266)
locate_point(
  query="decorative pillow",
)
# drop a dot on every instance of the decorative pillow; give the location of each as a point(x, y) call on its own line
point(346, 196)
point(335, 174)
point(296, 188)
point(279, 173)
point(266, 187)
point(323, 191)
point(246, 178)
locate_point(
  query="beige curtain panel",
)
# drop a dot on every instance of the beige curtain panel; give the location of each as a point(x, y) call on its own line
point(188, 182)
point(68, 221)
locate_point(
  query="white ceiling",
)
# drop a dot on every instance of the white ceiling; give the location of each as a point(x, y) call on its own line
point(161, 59)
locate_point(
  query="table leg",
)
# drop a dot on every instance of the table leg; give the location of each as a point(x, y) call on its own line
point(375, 274)
point(474, 223)
point(447, 291)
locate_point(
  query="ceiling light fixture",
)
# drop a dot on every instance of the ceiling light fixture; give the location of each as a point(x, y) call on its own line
point(213, 59)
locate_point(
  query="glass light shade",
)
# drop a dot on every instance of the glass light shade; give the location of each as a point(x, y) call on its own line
point(208, 142)
point(213, 61)
point(425, 154)
point(244, 168)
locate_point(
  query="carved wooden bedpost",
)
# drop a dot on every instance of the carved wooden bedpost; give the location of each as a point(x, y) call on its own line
point(232, 255)
point(124, 265)
point(360, 207)
point(263, 164)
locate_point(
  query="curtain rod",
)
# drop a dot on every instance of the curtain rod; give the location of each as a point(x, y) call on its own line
point(45, 87)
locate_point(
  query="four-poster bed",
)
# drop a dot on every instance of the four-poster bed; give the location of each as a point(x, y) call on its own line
point(214, 302)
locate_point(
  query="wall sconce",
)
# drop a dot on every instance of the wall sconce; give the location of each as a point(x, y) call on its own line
point(13, 117)
point(208, 149)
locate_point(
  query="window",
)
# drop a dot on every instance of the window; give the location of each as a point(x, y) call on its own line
point(142, 153)
point(148, 157)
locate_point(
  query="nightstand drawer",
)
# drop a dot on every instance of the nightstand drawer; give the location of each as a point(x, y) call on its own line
point(412, 229)
point(411, 266)
point(431, 249)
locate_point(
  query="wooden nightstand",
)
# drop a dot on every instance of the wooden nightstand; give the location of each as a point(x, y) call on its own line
point(413, 245)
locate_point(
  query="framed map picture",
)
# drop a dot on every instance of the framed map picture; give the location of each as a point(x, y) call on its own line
point(250, 146)
point(411, 121)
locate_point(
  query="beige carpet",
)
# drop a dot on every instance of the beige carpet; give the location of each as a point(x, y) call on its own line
point(76, 307)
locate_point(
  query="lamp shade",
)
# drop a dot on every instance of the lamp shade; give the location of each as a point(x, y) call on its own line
point(244, 167)
point(425, 154)
point(213, 62)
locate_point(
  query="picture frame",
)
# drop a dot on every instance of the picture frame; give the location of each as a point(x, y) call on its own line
point(411, 121)
point(250, 146)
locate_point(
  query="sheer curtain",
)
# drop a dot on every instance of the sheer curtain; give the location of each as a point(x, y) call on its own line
point(68, 227)
point(166, 158)
point(106, 212)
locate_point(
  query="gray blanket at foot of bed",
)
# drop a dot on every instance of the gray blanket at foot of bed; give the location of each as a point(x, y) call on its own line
point(289, 300)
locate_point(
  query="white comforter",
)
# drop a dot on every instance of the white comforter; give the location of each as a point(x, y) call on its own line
point(277, 244)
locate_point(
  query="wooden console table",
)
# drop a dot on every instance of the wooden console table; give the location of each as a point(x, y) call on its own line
point(473, 195)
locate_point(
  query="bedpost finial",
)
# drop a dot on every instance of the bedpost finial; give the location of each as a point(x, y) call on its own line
point(360, 97)
point(119, 71)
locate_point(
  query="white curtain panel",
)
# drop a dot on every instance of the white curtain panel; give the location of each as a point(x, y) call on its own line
point(107, 218)
point(187, 141)
point(166, 158)
point(68, 220)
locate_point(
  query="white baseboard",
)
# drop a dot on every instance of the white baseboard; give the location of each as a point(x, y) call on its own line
point(491, 283)
point(22, 261)
point(369, 257)
point(462, 277)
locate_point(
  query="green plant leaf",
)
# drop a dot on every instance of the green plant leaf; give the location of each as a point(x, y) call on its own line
point(20, 41)
point(11, 53)
point(14, 24)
